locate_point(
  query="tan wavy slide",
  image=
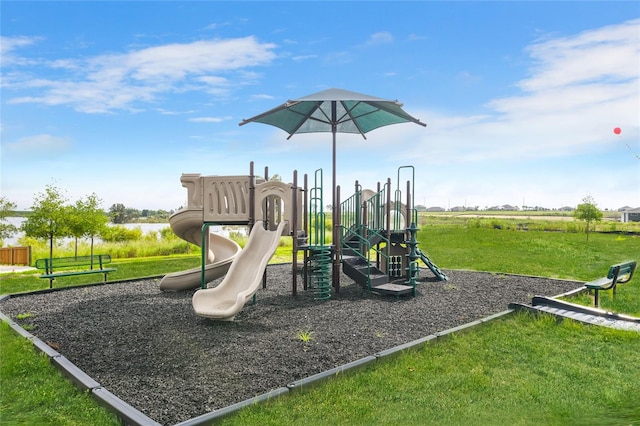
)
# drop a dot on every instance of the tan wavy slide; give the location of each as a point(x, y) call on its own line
point(187, 224)
point(224, 301)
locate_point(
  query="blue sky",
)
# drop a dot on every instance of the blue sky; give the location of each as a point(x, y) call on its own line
point(521, 98)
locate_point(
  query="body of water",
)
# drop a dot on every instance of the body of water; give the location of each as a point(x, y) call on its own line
point(145, 227)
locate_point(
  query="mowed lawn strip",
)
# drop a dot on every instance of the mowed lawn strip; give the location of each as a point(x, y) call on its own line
point(524, 370)
point(519, 370)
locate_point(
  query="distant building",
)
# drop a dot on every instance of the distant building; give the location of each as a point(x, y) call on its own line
point(436, 209)
point(630, 215)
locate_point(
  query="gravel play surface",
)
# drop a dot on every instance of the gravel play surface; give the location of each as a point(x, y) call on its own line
point(148, 348)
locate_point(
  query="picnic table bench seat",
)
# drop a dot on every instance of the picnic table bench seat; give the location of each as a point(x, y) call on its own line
point(619, 273)
point(96, 262)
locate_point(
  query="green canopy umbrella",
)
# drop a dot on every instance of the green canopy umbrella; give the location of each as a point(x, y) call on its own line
point(335, 111)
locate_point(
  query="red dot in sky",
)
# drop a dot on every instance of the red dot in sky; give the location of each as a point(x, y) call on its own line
point(617, 130)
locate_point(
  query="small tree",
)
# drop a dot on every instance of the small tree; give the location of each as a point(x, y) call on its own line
point(87, 220)
point(589, 212)
point(6, 229)
point(75, 225)
point(94, 218)
point(48, 220)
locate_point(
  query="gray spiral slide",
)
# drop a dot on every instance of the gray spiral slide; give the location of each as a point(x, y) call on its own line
point(187, 224)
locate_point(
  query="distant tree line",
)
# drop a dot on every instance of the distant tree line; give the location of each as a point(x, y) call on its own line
point(52, 217)
point(119, 213)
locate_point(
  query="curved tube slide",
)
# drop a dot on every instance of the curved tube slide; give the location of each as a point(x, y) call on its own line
point(243, 279)
point(187, 224)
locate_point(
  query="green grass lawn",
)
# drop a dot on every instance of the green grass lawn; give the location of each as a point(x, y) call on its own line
point(126, 269)
point(517, 370)
point(34, 392)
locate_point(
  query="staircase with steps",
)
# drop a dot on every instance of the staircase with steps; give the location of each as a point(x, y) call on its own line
point(351, 246)
point(371, 278)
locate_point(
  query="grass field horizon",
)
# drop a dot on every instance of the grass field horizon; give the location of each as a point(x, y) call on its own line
point(520, 369)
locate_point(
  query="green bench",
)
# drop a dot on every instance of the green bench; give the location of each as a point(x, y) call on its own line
point(618, 274)
point(95, 262)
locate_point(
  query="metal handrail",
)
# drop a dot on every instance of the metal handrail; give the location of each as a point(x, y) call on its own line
point(350, 214)
point(316, 212)
point(366, 248)
point(375, 206)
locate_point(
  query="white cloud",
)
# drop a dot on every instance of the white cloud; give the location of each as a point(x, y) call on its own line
point(303, 57)
point(542, 145)
point(40, 145)
point(217, 25)
point(382, 37)
point(416, 37)
point(262, 96)
point(8, 45)
point(561, 112)
point(607, 54)
point(106, 83)
point(169, 112)
point(208, 119)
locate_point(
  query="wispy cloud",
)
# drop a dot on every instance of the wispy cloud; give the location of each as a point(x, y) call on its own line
point(338, 57)
point(262, 96)
point(43, 144)
point(607, 55)
point(209, 119)
point(304, 57)
point(128, 81)
point(579, 89)
point(217, 25)
point(416, 37)
point(382, 37)
point(8, 47)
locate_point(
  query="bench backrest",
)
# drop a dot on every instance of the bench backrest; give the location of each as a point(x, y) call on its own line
point(70, 262)
point(625, 271)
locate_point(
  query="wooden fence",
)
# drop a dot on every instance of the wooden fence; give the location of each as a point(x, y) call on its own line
point(15, 255)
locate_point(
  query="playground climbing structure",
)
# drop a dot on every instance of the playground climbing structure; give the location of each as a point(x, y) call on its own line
point(379, 247)
point(225, 200)
point(374, 238)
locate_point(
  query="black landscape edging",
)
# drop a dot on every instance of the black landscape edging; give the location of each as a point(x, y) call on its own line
point(232, 409)
point(574, 292)
point(131, 416)
point(299, 385)
point(463, 327)
point(320, 377)
point(44, 348)
point(125, 412)
point(496, 316)
point(54, 289)
point(75, 374)
point(405, 346)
